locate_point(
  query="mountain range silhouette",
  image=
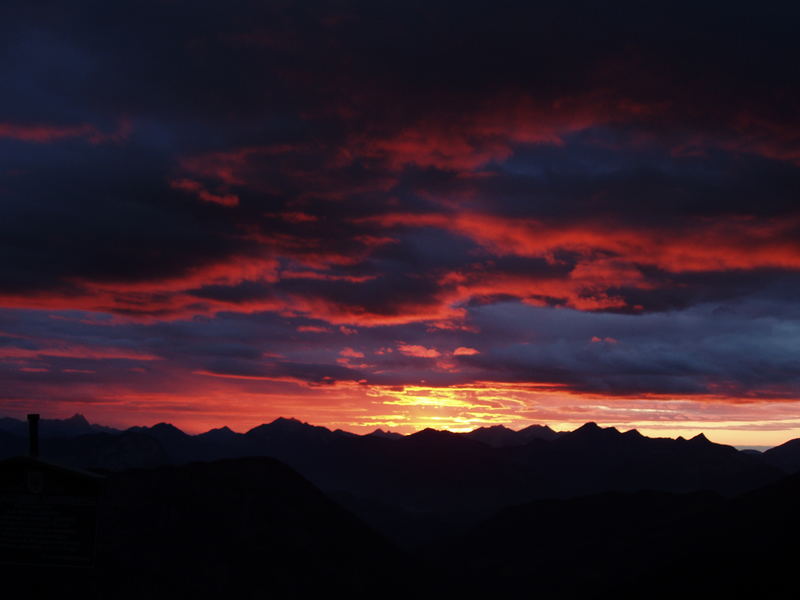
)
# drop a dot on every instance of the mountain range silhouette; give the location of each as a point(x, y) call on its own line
point(583, 514)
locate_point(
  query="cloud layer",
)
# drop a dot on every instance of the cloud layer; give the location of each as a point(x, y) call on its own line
point(301, 203)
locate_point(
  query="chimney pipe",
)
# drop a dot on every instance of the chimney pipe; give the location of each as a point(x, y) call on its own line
point(33, 435)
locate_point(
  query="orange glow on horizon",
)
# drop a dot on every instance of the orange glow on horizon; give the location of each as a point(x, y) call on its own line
point(362, 409)
point(199, 401)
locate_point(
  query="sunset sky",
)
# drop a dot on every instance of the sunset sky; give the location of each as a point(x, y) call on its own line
point(402, 214)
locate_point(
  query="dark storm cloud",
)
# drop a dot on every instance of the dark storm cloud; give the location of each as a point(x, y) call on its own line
point(704, 350)
point(101, 212)
point(637, 183)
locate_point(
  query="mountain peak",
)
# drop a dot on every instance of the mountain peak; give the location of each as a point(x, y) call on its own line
point(282, 424)
point(77, 419)
point(432, 434)
point(343, 433)
point(537, 427)
point(498, 436)
point(537, 432)
point(284, 429)
point(166, 428)
point(220, 431)
point(427, 431)
point(592, 431)
point(389, 435)
point(589, 426)
point(493, 428)
point(288, 423)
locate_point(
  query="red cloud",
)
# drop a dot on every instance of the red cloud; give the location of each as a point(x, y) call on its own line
point(275, 168)
point(44, 133)
point(477, 136)
point(350, 353)
point(167, 297)
point(298, 217)
point(313, 329)
point(465, 351)
point(418, 351)
point(486, 134)
point(723, 244)
point(228, 272)
point(537, 290)
point(233, 167)
point(606, 256)
point(607, 340)
point(196, 188)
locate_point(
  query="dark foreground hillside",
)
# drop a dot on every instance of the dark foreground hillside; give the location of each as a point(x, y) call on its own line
point(254, 528)
point(636, 545)
point(243, 528)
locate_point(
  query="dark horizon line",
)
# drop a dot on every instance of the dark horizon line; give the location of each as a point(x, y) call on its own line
point(393, 433)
